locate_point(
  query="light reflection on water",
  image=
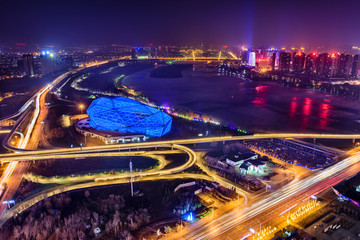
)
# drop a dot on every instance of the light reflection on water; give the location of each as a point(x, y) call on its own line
point(261, 106)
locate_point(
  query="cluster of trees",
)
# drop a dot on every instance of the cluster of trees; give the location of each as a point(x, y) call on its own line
point(25, 188)
point(59, 217)
point(186, 202)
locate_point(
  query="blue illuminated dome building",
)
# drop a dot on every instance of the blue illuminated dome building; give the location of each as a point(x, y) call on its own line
point(129, 116)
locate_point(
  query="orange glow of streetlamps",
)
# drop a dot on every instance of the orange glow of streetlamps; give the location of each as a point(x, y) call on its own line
point(81, 106)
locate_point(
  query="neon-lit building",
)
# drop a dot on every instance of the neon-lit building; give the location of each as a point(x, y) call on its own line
point(128, 116)
point(252, 59)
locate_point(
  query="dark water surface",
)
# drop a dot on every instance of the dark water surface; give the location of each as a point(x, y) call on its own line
point(257, 106)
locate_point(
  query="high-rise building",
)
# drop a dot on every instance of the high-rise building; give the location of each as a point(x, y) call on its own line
point(252, 57)
point(330, 66)
point(293, 54)
point(273, 61)
point(340, 71)
point(299, 61)
point(48, 64)
point(133, 53)
point(355, 66)
point(284, 62)
point(320, 64)
point(310, 63)
point(20, 65)
point(245, 56)
point(348, 63)
point(52, 63)
point(28, 64)
point(344, 66)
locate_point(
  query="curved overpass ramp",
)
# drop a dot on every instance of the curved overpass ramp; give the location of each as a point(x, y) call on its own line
point(178, 142)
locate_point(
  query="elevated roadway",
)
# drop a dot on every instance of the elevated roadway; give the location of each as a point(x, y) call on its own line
point(152, 154)
point(24, 107)
point(159, 174)
point(5, 131)
point(22, 206)
point(49, 152)
point(12, 175)
point(234, 223)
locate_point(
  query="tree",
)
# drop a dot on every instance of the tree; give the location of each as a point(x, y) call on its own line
point(87, 194)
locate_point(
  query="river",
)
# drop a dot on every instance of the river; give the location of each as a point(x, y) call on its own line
point(256, 106)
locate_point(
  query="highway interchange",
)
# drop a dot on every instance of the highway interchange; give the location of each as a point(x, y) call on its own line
point(234, 224)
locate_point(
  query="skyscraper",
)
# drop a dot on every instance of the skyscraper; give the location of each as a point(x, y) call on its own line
point(347, 66)
point(51, 62)
point(299, 61)
point(245, 56)
point(344, 66)
point(310, 63)
point(273, 61)
point(252, 59)
point(341, 66)
point(133, 54)
point(320, 64)
point(284, 62)
point(28, 64)
point(355, 66)
point(330, 66)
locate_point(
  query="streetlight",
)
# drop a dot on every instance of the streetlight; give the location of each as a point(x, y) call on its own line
point(260, 224)
point(81, 106)
point(212, 212)
point(294, 167)
point(180, 226)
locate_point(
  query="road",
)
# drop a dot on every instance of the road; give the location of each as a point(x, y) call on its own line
point(237, 223)
point(12, 175)
point(181, 142)
point(54, 152)
point(157, 174)
point(4, 131)
point(17, 209)
point(83, 178)
point(20, 111)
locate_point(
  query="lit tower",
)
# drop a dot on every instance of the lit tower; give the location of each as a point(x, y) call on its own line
point(131, 183)
point(252, 59)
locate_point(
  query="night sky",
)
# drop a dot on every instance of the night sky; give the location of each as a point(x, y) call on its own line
point(261, 23)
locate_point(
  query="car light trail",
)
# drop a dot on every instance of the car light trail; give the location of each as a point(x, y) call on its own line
point(288, 209)
point(230, 220)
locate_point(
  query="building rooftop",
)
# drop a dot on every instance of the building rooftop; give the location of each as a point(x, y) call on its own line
point(255, 162)
point(350, 188)
point(241, 156)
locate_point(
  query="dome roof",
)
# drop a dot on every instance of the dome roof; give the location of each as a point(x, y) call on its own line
point(126, 115)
